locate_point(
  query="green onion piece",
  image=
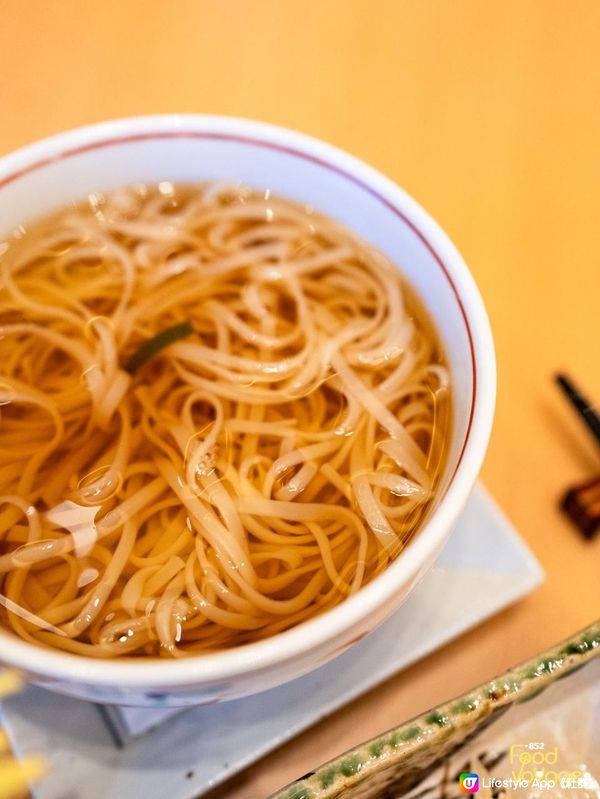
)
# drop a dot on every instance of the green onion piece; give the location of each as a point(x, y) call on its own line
point(155, 344)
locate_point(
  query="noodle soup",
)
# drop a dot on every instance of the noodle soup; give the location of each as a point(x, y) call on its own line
point(221, 414)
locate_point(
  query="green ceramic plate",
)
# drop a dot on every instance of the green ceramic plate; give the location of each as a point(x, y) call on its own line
point(392, 764)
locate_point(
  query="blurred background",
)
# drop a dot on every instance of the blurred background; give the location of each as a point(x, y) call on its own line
point(488, 114)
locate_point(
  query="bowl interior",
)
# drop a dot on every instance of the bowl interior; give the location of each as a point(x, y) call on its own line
point(305, 171)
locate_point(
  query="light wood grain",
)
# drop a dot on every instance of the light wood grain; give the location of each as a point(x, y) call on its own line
point(487, 113)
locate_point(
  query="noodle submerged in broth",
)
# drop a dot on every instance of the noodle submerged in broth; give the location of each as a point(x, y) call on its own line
point(220, 414)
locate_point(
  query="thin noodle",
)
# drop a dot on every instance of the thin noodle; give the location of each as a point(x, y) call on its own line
point(241, 479)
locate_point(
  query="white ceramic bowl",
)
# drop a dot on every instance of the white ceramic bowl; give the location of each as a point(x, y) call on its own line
point(45, 175)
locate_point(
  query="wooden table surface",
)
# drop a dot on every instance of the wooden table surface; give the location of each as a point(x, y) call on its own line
point(489, 114)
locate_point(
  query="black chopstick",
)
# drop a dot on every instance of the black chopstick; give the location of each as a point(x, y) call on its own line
point(582, 405)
